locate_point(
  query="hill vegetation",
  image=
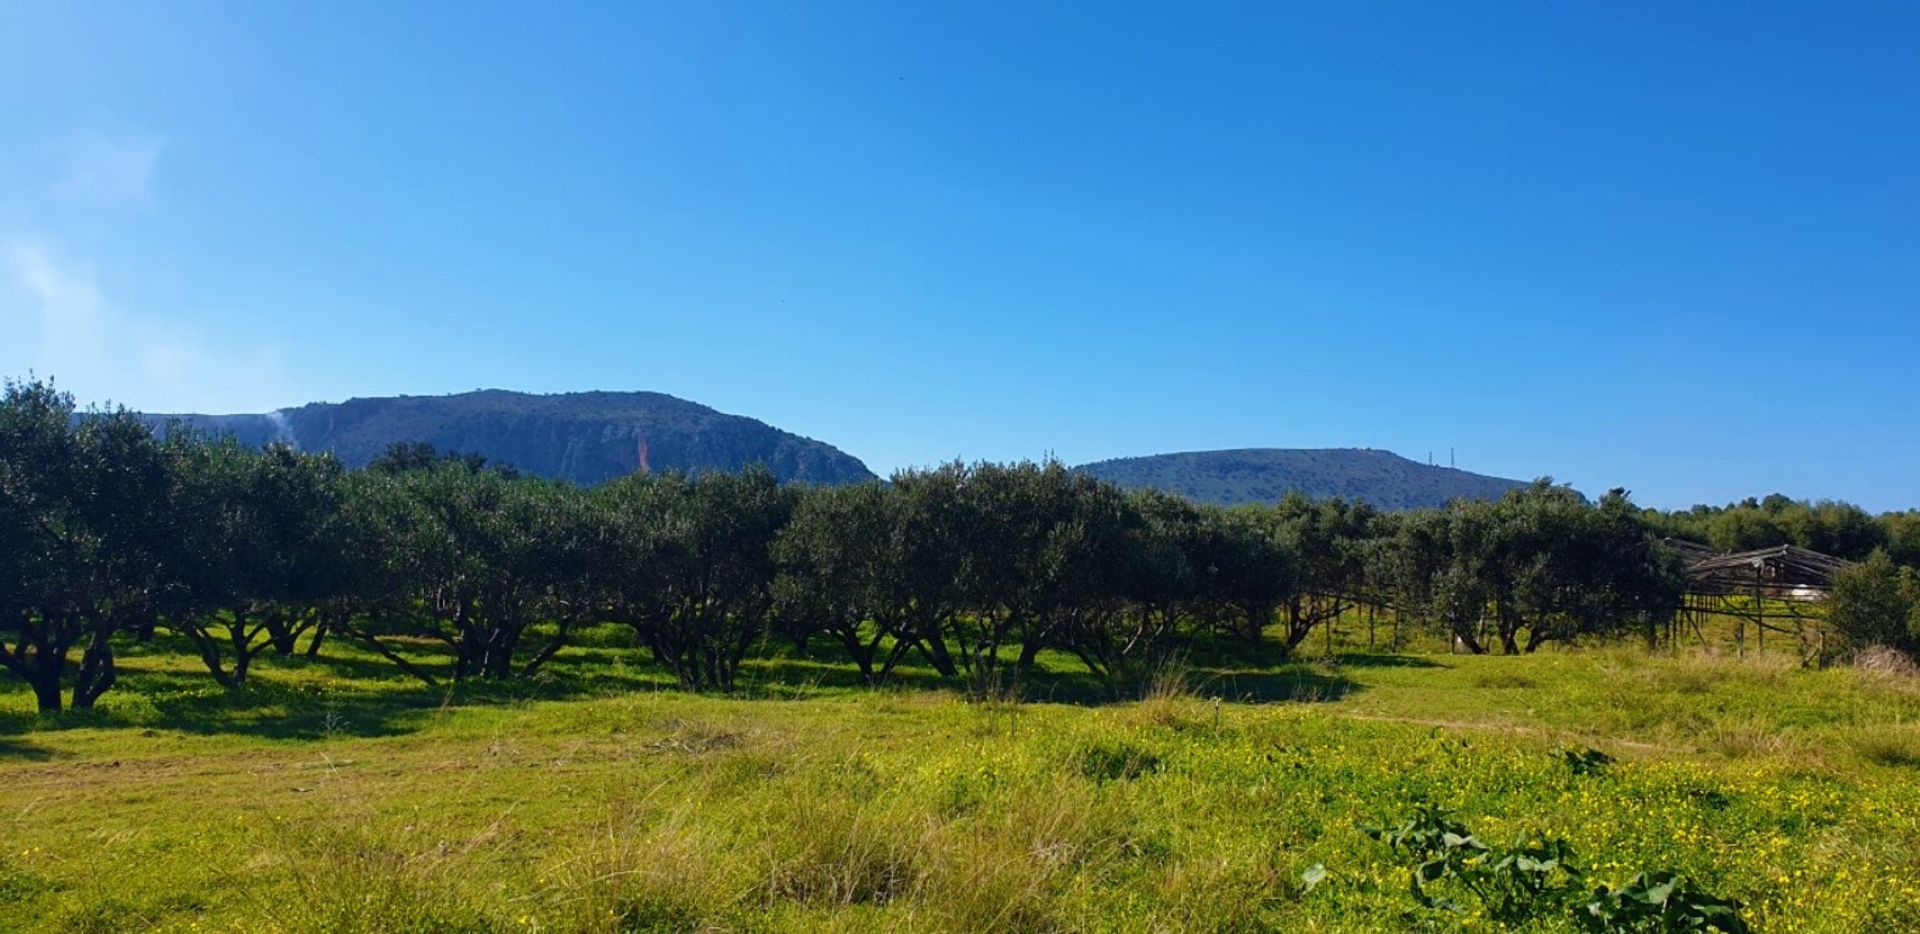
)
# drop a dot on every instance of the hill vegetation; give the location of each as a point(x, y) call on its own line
point(586, 437)
point(1381, 479)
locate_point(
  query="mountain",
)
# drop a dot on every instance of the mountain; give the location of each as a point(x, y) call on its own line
point(586, 437)
point(1264, 475)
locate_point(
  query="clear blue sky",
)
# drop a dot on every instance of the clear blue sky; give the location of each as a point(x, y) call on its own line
point(1672, 247)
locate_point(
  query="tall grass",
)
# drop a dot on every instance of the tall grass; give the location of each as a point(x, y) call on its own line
point(1169, 803)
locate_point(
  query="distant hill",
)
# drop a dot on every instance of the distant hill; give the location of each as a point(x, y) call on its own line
point(585, 437)
point(1264, 475)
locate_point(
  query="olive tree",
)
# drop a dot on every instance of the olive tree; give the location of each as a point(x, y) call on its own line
point(82, 528)
point(841, 575)
point(253, 530)
point(688, 563)
point(476, 559)
point(1329, 539)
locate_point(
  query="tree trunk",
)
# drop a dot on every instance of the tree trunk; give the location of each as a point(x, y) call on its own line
point(242, 651)
point(1509, 628)
point(1463, 635)
point(320, 631)
point(96, 674)
point(934, 646)
point(36, 660)
point(551, 649)
point(1029, 653)
point(204, 643)
point(501, 643)
point(282, 633)
point(1299, 627)
point(46, 692)
point(859, 651)
point(389, 654)
point(898, 652)
point(1536, 637)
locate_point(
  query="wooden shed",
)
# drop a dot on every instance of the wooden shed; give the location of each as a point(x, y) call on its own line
point(1776, 589)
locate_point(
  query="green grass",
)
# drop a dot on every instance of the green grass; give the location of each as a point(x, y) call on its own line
point(336, 795)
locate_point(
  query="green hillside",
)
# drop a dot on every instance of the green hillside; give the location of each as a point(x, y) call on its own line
point(1265, 475)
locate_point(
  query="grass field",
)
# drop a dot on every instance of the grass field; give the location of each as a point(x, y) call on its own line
point(335, 795)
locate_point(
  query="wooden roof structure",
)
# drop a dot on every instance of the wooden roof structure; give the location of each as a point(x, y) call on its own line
point(1784, 571)
point(1779, 589)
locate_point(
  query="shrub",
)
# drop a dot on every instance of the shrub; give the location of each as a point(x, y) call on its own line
point(1660, 901)
point(1534, 879)
point(1876, 602)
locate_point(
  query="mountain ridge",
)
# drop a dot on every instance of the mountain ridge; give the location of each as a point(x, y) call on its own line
point(585, 437)
point(1251, 475)
point(589, 437)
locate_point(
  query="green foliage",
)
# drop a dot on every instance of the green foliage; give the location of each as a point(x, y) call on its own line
point(1541, 565)
point(1876, 602)
point(1329, 543)
point(1660, 901)
point(474, 559)
point(1530, 879)
point(1585, 761)
point(1835, 528)
point(406, 456)
point(255, 562)
point(977, 570)
point(84, 537)
point(1535, 878)
point(688, 562)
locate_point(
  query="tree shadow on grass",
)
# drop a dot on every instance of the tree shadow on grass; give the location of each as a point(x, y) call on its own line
point(359, 699)
point(359, 666)
point(1290, 684)
point(262, 707)
point(1387, 660)
point(364, 696)
point(795, 679)
point(279, 710)
point(23, 751)
point(1295, 684)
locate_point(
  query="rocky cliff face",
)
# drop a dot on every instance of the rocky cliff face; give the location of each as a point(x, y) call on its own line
point(584, 437)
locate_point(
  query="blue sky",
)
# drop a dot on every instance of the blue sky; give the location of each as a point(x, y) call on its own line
point(1671, 247)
